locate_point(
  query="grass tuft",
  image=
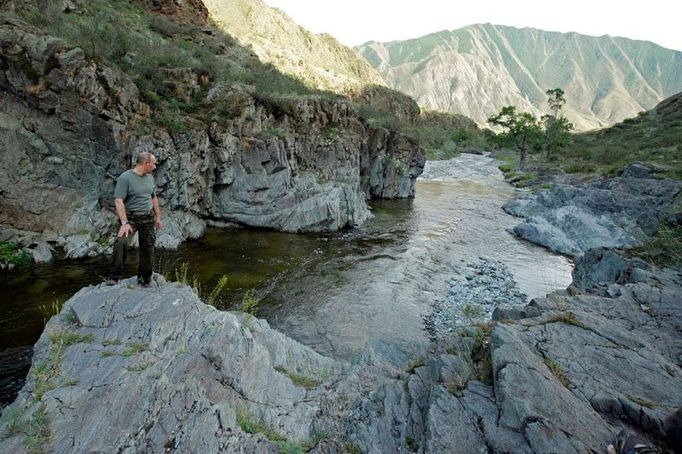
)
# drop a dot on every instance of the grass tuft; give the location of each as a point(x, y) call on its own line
point(641, 401)
point(251, 425)
point(568, 318)
point(302, 381)
point(558, 372)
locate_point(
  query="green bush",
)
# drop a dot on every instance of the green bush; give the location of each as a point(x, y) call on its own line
point(11, 254)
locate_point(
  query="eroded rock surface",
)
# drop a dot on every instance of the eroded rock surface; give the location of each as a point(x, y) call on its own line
point(132, 369)
point(71, 125)
point(611, 212)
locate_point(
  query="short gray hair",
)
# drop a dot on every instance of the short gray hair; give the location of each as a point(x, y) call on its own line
point(144, 156)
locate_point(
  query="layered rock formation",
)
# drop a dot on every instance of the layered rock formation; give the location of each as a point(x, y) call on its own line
point(125, 368)
point(71, 125)
point(476, 70)
point(612, 212)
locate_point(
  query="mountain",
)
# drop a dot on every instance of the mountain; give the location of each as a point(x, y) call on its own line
point(319, 60)
point(478, 69)
point(653, 137)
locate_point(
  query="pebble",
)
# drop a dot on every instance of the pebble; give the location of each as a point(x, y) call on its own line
point(473, 295)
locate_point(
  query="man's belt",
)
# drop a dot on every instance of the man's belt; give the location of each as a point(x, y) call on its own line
point(139, 213)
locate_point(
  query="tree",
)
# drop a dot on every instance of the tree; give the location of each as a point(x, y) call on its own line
point(557, 127)
point(523, 129)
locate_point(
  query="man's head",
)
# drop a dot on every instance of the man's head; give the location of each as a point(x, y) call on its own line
point(146, 162)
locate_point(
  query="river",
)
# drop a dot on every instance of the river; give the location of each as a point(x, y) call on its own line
point(332, 292)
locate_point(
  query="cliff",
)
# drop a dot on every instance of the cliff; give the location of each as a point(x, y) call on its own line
point(233, 154)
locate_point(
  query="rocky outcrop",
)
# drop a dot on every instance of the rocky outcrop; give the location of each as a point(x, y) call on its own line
point(562, 374)
point(609, 212)
point(71, 125)
point(154, 369)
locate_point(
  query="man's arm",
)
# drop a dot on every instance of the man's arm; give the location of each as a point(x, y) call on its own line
point(125, 228)
point(157, 212)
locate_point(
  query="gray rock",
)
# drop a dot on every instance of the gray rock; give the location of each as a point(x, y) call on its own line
point(172, 371)
point(307, 164)
point(639, 169)
point(600, 267)
point(616, 212)
point(42, 253)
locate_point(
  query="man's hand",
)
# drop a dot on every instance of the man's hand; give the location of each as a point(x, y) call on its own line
point(157, 222)
point(125, 230)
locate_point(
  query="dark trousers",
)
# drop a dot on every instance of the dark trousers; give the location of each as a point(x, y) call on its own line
point(143, 224)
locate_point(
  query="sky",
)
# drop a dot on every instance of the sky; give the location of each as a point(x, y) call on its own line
point(355, 22)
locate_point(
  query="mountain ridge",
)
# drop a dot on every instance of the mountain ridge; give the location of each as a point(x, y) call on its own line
point(475, 70)
point(318, 59)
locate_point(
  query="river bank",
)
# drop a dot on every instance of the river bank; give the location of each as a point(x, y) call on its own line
point(563, 373)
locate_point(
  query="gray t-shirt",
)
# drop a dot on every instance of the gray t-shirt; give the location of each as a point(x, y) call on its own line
point(136, 191)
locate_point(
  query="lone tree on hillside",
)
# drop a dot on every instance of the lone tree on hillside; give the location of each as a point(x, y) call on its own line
point(557, 127)
point(523, 129)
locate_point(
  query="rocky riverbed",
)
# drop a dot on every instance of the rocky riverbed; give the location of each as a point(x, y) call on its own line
point(562, 373)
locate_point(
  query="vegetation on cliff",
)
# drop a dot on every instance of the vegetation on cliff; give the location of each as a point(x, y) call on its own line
point(173, 62)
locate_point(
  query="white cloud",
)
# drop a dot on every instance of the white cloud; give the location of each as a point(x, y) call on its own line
point(354, 22)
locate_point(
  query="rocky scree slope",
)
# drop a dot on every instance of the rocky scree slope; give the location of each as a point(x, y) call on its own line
point(562, 374)
point(478, 69)
point(70, 125)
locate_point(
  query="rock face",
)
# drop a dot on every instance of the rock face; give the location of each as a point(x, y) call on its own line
point(70, 126)
point(129, 369)
point(613, 212)
point(155, 369)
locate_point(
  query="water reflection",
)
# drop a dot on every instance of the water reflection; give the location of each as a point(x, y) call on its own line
point(332, 292)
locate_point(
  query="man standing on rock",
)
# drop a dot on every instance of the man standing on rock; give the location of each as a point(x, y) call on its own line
point(137, 208)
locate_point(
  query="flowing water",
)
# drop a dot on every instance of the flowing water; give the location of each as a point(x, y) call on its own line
point(332, 292)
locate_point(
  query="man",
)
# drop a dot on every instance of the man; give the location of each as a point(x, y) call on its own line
point(137, 208)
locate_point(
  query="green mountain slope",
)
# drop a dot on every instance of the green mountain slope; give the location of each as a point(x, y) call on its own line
point(317, 59)
point(654, 136)
point(478, 69)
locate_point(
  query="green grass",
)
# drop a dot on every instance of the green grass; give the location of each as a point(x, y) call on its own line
point(302, 381)
point(662, 249)
point(250, 302)
point(251, 425)
point(654, 137)
point(134, 348)
point(145, 45)
point(35, 429)
point(11, 254)
point(67, 338)
point(13, 422)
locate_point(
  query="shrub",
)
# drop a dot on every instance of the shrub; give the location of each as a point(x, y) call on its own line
point(11, 254)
